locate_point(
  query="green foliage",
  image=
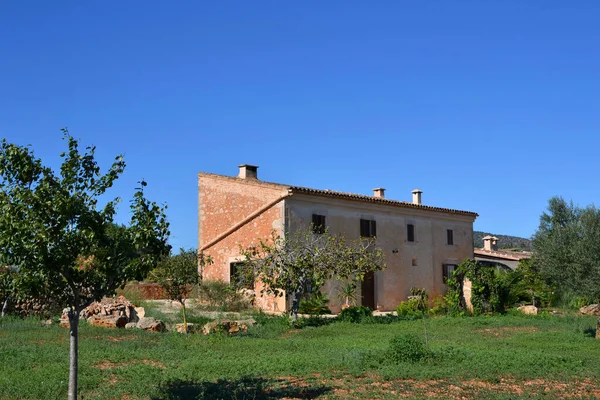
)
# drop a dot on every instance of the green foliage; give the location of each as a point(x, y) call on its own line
point(567, 248)
point(407, 347)
point(316, 304)
point(63, 244)
point(347, 294)
point(218, 295)
point(355, 314)
point(530, 287)
point(53, 231)
point(518, 348)
point(302, 259)
point(439, 307)
point(409, 309)
point(490, 288)
point(177, 274)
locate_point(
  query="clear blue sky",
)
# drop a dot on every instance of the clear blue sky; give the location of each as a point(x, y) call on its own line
point(486, 106)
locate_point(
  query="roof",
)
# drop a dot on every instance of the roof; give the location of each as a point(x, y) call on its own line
point(345, 195)
point(503, 254)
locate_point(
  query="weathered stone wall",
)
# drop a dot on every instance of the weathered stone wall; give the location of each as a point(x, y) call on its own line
point(418, 263)
point(224, 203)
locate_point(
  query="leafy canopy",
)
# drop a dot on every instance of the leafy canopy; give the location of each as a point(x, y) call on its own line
point(54, 231)
point(567, 248)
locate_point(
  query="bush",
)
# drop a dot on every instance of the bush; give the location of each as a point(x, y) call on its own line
point(220, 296)
point(407, 347)
point(315, 305)
point(356, 314)
point(409, 309)
point(439, 307)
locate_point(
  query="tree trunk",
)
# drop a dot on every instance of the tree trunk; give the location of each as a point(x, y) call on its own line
point(185, 330)
point(425, 330)
point(73, 355)
point(4, 307)
point(295, 305)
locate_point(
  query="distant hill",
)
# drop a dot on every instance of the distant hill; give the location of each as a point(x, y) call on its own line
point(504, 241)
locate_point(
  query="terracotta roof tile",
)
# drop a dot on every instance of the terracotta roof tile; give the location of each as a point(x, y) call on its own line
point(342, 195)
point(508, 255)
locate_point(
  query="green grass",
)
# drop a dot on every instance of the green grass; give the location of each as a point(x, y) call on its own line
point(482, 357)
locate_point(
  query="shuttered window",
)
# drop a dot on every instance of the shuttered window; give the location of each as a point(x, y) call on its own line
point(368, 228)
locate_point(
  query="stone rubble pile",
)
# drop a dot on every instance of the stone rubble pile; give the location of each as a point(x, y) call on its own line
point(121, 313)
point(115, 312)
point(592, 309)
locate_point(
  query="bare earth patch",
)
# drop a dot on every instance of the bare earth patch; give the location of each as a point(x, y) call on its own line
point(506, 331)
point(104, 365)
point(364, 387)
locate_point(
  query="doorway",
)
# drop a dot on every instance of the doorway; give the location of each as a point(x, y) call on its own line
point(367, 290)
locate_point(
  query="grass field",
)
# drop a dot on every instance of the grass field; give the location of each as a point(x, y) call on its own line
point(501, 357)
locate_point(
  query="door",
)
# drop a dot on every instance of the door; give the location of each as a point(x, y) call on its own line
point(367, 291)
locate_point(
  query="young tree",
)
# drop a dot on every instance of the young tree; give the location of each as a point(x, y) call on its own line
point(304, 259)
point(52, 230)
point(177, 275)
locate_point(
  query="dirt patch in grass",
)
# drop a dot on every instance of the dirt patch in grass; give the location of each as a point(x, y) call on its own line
point(374, 387)
point(506, 331)
point(104, 365)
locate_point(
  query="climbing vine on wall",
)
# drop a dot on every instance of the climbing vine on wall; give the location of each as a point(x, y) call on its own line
point(490, 288)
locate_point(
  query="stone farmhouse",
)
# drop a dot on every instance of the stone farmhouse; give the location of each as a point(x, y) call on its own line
point(421, 244)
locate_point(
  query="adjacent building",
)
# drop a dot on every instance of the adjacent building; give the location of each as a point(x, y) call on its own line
point(504, 258)
point(422, 244)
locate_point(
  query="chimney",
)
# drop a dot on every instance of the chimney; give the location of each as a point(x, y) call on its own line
point(248, 171)
point(379, 192)
point(417, 196)
point(490, 243)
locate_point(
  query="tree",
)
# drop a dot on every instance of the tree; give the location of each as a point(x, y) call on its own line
point(177, 274)
point(567, 248)
point(302, 260)
point(53, 230)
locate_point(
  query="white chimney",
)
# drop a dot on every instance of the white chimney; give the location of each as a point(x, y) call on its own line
point(248, 171)
point(417, 196)
point(490, 243)
point(379, 192)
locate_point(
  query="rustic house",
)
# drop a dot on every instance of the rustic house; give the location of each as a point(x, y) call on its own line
point(422, 244)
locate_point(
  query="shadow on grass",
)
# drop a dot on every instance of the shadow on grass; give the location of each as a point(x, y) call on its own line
point(243, 388)
point(590, 332)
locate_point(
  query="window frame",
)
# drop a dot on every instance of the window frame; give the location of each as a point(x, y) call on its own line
point(450, 237)
point(368, 228)
point(446, 272)
point(318, 224)
point(410, 233)
point(249, 285)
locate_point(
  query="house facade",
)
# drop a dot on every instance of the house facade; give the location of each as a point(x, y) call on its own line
point(421, 244)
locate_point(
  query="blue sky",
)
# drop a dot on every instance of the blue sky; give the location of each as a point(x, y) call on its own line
point(486, 106)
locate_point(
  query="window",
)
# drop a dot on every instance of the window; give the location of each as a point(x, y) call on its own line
point(318, 224)
point(450, 236)
point(410, 233)
point(447, 270)
point(238, 277)
point(368, 228)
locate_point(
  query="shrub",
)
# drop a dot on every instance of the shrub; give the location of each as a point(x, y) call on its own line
point(407, 347)
point(315, 305)
point(219, 295)
point(355, 314)
point(409, 309)
point(439, 307)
